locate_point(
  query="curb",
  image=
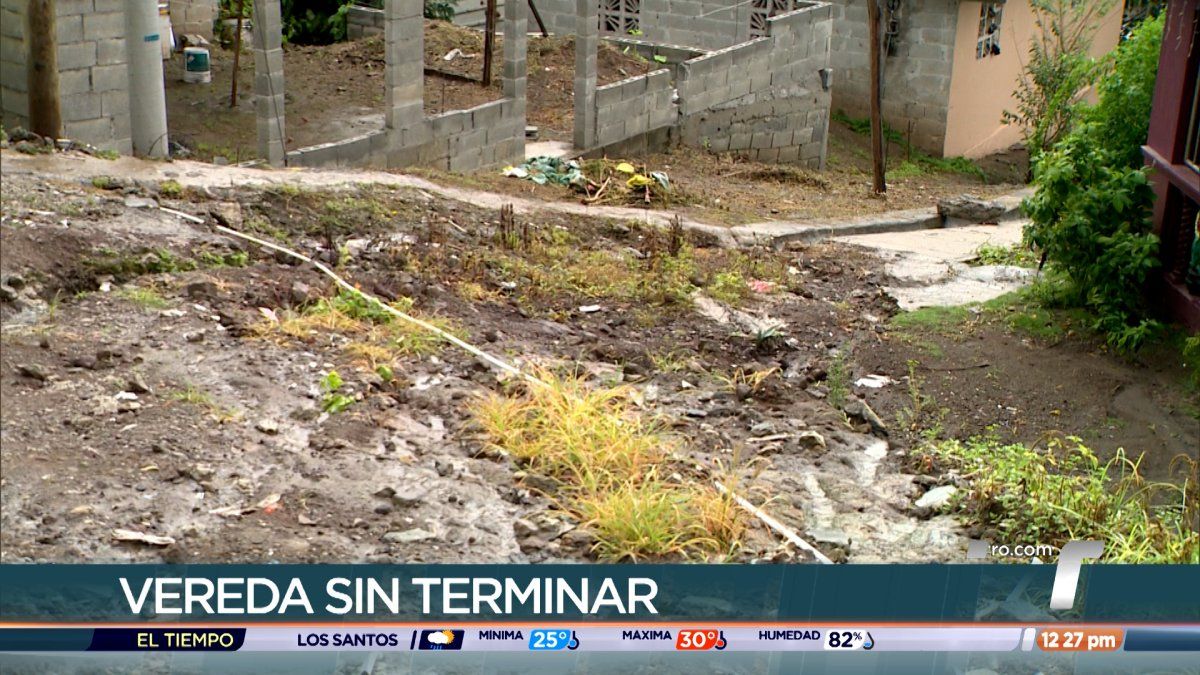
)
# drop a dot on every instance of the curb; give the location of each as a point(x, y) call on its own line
point(778, 234)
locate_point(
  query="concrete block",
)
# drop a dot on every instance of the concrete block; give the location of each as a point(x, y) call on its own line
point(83, 106)
point(109, 52)
point(111, 5)
point(760, 140)
point(69, 29)
point(74, 81)
point(109, 78)
point(67, 7)
point(789, 154)
point(104, 25)
point(95, 131)
point(113, 103)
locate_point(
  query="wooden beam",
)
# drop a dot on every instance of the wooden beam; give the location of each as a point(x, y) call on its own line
point(537, 16)
point(45, 112)
point(489, 41)
point(877, 163)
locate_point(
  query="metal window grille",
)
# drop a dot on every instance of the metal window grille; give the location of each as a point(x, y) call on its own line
point(990, 15)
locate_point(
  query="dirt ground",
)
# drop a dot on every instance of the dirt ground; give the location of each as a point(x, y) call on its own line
point(731, 190)
point(146, 387)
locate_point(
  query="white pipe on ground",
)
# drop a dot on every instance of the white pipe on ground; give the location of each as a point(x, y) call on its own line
point(147, 92)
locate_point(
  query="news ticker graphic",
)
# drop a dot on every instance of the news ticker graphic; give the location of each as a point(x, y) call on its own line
point(610, 638)
point(815, 594)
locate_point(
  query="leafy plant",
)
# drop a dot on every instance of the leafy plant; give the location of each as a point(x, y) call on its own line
point(1090, 215)
point(1065, 493)
point(1050, 92)
point(441, 10)
point(334, 402)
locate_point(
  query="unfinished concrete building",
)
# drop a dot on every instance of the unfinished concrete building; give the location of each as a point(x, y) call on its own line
point(749, 78)
point(744, 78)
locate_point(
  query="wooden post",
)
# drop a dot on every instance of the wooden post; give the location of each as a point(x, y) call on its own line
point(877, 164)
point(489, 40)
point(237, 52)
point(537, 16)
point(45, 112)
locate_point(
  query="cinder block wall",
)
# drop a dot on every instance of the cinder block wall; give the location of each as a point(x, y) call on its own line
point(634, 106)
point(93, 72)
point(193, 17)
point(14, 99)
point(93, 75)
point(458, 140)
point(363, 22)
point(916, 90)
point(703, 24)
point(763, 99)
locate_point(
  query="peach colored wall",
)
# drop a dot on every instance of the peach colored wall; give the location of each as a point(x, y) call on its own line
point(981, 89)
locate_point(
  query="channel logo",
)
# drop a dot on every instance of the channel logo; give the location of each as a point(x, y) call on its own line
point(437, 640)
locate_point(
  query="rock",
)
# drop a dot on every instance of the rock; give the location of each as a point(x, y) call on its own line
point(936, 498)
point(267, 426)
point(137, 384)
point(830, 535)
point(524, 528)
point(492, 335)
point(695, 412)
point(301, 294)
point(86, 362)
point(197, 336)
point(201, 472)
point(140, 203)
point(15, 281)
point(409, 500)
point(7, 294)
point(856, 407)
point(383, 509)
point(970, 208)
point(408, 536)
point(810, 440)
point(201, 290)
point(228, 214)
point(32, 371)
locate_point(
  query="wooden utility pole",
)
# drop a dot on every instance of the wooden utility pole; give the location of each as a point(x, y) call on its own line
point(45, 112)
point(237, 52)
point(877, 164)
point(489, 40)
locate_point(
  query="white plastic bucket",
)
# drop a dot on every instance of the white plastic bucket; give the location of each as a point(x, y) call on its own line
point(197, 69)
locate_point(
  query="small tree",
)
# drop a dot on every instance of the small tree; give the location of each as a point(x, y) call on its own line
point(1058, 72)
point(1091, 213)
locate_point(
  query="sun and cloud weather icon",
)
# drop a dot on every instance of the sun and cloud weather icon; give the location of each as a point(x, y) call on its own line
point(441, 639)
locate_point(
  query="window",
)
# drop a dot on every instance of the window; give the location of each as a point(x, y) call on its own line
point(761, 10)
point(989, 30)
point(622, 17)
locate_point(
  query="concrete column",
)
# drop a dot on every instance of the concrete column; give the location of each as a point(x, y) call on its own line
point(147, 92)
point(587, 38)
point(515, 67)
point(404, 54)
point(267, 44)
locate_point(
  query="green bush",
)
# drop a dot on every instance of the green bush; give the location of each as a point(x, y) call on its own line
point(1091, 213)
